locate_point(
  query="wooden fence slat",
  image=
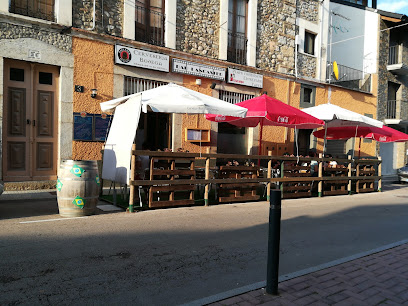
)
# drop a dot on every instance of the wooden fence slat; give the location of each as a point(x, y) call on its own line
point(178, 170)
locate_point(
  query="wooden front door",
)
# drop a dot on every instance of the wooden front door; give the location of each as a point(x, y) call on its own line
point(30, 121)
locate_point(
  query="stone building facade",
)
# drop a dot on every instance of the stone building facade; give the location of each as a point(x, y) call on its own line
point(52, 37)
point(386, 76)
point(308, 10)
point(276, 36)
point(108, 16)
point(392, 107)
point(308, 19)
point(198, 27)
point(36, 63)
point(82, 49)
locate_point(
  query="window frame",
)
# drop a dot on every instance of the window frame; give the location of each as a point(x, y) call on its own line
point(304, 104)
point(306, 45)
point(367, 140)
point(232, 44)
point(146, 27)
point(33, 9)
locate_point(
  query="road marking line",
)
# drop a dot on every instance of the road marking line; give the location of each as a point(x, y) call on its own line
point(48, 220)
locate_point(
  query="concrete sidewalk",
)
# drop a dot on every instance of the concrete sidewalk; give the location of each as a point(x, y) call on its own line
point(369, 279)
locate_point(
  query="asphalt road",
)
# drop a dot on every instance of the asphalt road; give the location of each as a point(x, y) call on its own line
point(173, 256)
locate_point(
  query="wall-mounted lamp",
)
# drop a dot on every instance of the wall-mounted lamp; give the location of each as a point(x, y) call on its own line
point(94, 91)
point(265, 93)
point(198, 82)
point(213, 85)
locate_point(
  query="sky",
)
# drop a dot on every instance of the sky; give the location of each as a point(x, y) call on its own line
point(394, 6)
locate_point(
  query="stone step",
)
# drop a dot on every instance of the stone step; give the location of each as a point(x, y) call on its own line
point(30, 185)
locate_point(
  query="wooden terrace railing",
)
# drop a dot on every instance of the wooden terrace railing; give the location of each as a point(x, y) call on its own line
point(174, 173)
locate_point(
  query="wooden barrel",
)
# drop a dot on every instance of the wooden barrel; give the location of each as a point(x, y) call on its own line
point(77, 188)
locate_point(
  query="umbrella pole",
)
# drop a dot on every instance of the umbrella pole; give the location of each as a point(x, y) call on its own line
point(260, 141)
point(296, 143)
point(354, 151)
point(325, 140)
point(359, 148)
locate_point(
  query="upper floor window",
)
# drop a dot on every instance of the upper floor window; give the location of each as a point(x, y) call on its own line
point(150, 21)
point(307, 96)
point(310, 43)
point(41, 9)
point(237, 25)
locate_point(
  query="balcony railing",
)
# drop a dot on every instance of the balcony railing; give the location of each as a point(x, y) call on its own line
point(237, 48)
point(391, 109)
point(349, 78)
point(34, 8)
point(149, 26)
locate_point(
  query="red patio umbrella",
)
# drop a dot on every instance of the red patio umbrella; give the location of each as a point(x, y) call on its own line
point(265, 110)
point(384, 134)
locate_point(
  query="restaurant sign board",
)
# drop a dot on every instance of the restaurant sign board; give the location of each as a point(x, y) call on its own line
point(140, 58)
point(245, 78)
point(206, 71)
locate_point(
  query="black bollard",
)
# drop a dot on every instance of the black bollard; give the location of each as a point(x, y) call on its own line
point(272, 274)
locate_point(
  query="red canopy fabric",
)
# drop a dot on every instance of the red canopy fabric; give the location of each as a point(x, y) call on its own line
point(384, 134)
point(265, 110)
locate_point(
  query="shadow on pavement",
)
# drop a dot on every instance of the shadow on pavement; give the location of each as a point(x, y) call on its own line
point(24, 208)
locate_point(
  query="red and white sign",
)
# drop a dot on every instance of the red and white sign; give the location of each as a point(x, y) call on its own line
point(140, 58)
point(245, 78)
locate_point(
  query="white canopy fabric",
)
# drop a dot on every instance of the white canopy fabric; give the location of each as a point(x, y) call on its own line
point(169, 98)
point(173, 98)
point(336, 116)
point(116, 154)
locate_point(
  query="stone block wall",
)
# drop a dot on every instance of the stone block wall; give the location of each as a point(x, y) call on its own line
point(384, 76)
point(306, 65)
point(404, 81)
point(53, 38)
point(276, 35)
point(198, 27)
point(308, 10)
point(109, 17)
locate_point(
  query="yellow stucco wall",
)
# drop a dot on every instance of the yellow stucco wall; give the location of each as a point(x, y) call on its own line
point(94, 65)
point(196, 121)
point(93, 68)
point(278, 139)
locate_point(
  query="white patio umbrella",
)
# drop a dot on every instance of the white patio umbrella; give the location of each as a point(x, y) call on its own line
point(336, 116)
point(173, 98)
point(169, 98)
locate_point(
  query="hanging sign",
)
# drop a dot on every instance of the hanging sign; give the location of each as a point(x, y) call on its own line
point(140, 58)
point(245, 78)
point(206, 71)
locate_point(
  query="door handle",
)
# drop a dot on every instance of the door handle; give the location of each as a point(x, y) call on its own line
point(33, 122)
point(28, 121)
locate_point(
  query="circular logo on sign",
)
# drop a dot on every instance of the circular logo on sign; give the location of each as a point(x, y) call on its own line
point(124, 55)
point(83, 114)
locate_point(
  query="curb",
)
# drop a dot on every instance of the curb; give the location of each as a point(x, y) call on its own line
point(41, 194)
point(282, 278)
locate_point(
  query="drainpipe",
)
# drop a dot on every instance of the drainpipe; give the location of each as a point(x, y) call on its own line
point(296, 55)
point(93, 17)
point(296, 47)
point(321, 42)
